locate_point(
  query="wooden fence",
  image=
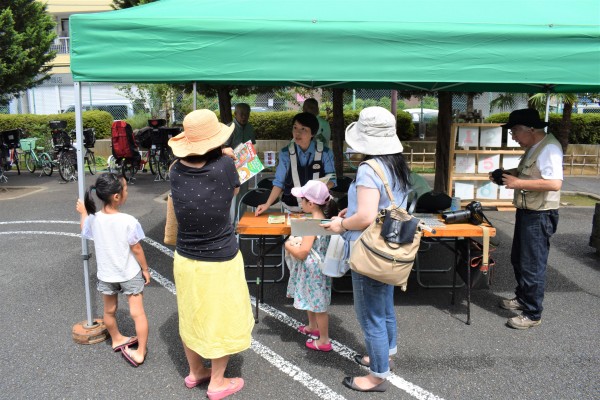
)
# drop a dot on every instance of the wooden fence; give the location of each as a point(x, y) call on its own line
point(580, 159)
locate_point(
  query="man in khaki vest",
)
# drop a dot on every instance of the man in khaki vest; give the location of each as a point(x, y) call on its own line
point(536, 183)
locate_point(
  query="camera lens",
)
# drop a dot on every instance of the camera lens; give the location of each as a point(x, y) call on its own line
point(456, 217)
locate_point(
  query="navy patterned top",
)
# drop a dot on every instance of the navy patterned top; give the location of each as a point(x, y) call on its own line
point(202, 199)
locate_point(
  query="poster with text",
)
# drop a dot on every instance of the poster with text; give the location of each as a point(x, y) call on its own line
point(468, 137)
point(491, 137)
point(464, 190)
point(487, 190)
point(464, 164)
point(488, 163)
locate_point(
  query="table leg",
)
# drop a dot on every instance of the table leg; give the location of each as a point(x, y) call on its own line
point(468, 281)
point(454, 275)
point(259, 284)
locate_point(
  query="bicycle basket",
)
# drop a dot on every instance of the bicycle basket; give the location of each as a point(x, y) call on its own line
point(11, 138)
point(61, 139)
point(57, 124)
point(168, 133)
point(28, 144)
point(89, 137)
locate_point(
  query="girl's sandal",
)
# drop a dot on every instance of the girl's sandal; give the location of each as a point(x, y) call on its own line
point(314, 334)
point(126, 353)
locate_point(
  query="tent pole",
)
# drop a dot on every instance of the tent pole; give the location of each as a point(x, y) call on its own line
point(81, 183)
point(195, 97)
point(547, 117)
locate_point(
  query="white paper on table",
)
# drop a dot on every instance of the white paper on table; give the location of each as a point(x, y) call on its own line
point(510, 142)
point(468, 137)
point(491, 137)
point(488, 163)
point(487, 190)
point(510, 162)
point(506, 193)
point(464, 164)
point(309, 227)
point(464, 190)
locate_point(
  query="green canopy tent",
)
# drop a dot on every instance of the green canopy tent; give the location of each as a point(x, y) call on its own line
point(435, 45)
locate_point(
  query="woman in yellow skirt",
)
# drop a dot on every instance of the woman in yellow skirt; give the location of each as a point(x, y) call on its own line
point(215, 315)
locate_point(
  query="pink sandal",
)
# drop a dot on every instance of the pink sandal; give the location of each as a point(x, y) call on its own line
point(231, 389)
point(312, 344)
point(314, 334)
point(190, 384)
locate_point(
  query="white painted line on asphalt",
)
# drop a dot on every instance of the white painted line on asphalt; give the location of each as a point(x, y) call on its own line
point(276, 360)
point(312, 384)
point(39, 222)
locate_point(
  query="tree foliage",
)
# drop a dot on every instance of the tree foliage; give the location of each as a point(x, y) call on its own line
point(120, 4)
point(25, 38)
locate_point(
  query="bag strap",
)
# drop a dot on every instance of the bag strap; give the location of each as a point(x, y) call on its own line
point(486, 247)
point(373, 164)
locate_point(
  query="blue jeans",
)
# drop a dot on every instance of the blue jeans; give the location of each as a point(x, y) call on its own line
point(529, 257)
point(374, 306)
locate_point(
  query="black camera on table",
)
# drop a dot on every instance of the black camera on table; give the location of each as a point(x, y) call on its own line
point(497, 176)
point(473, 213)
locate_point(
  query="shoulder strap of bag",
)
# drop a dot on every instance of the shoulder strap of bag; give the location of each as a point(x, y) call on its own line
point(486, 247)
point(294, 164)
point(373, 164)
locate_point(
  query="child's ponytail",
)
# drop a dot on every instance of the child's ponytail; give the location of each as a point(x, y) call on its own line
point(90, 206)
point(330, 208)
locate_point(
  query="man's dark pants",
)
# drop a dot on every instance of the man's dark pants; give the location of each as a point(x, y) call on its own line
point(529, 257)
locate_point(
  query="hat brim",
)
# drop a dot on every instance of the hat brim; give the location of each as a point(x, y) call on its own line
point(297, 192)
point(182, 147)
point(372, 145)
point(539, 125)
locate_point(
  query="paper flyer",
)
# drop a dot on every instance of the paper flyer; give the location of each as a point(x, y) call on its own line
point(248, 163)
point(309, 227)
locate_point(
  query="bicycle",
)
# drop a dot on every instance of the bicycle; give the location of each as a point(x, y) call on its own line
point(32, 161)
point(66, 153)
point(9, 144)
point(161, 155)
point(128, 166)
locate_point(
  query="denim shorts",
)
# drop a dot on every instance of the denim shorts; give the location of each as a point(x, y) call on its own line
point(133, 286)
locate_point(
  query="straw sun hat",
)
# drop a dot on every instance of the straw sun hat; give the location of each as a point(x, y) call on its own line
point(374, 133)
point(202, 132)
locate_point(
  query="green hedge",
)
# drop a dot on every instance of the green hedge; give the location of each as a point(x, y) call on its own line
point(37, 125)
point(585, 128)
point(277, 125)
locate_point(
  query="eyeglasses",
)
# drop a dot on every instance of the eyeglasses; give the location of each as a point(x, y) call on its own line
point(514, 130)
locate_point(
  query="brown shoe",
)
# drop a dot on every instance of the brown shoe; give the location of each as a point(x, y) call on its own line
point(522, 322)
point(511, 304)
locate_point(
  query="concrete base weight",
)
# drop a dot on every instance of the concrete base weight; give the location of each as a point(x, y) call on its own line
point(84, 334)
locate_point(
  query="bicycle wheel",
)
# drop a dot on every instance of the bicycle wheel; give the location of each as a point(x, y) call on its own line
point(128, 169)
point(17, 162)
point(30, 162)
point(153, 162)
point(66, 169)
point(163, 167)
point(47, 166)
point(111, 164)
point(90, 158)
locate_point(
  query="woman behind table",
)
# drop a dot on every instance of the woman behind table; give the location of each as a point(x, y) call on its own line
point(375, 136)
point(302, 160)
point(215, 316)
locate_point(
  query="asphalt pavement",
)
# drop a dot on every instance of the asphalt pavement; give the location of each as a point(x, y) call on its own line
point(439, 356)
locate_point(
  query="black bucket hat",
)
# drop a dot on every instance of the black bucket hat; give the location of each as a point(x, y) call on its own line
point(526, 117)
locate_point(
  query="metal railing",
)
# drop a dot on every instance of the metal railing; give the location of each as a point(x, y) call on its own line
point(61, 45)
